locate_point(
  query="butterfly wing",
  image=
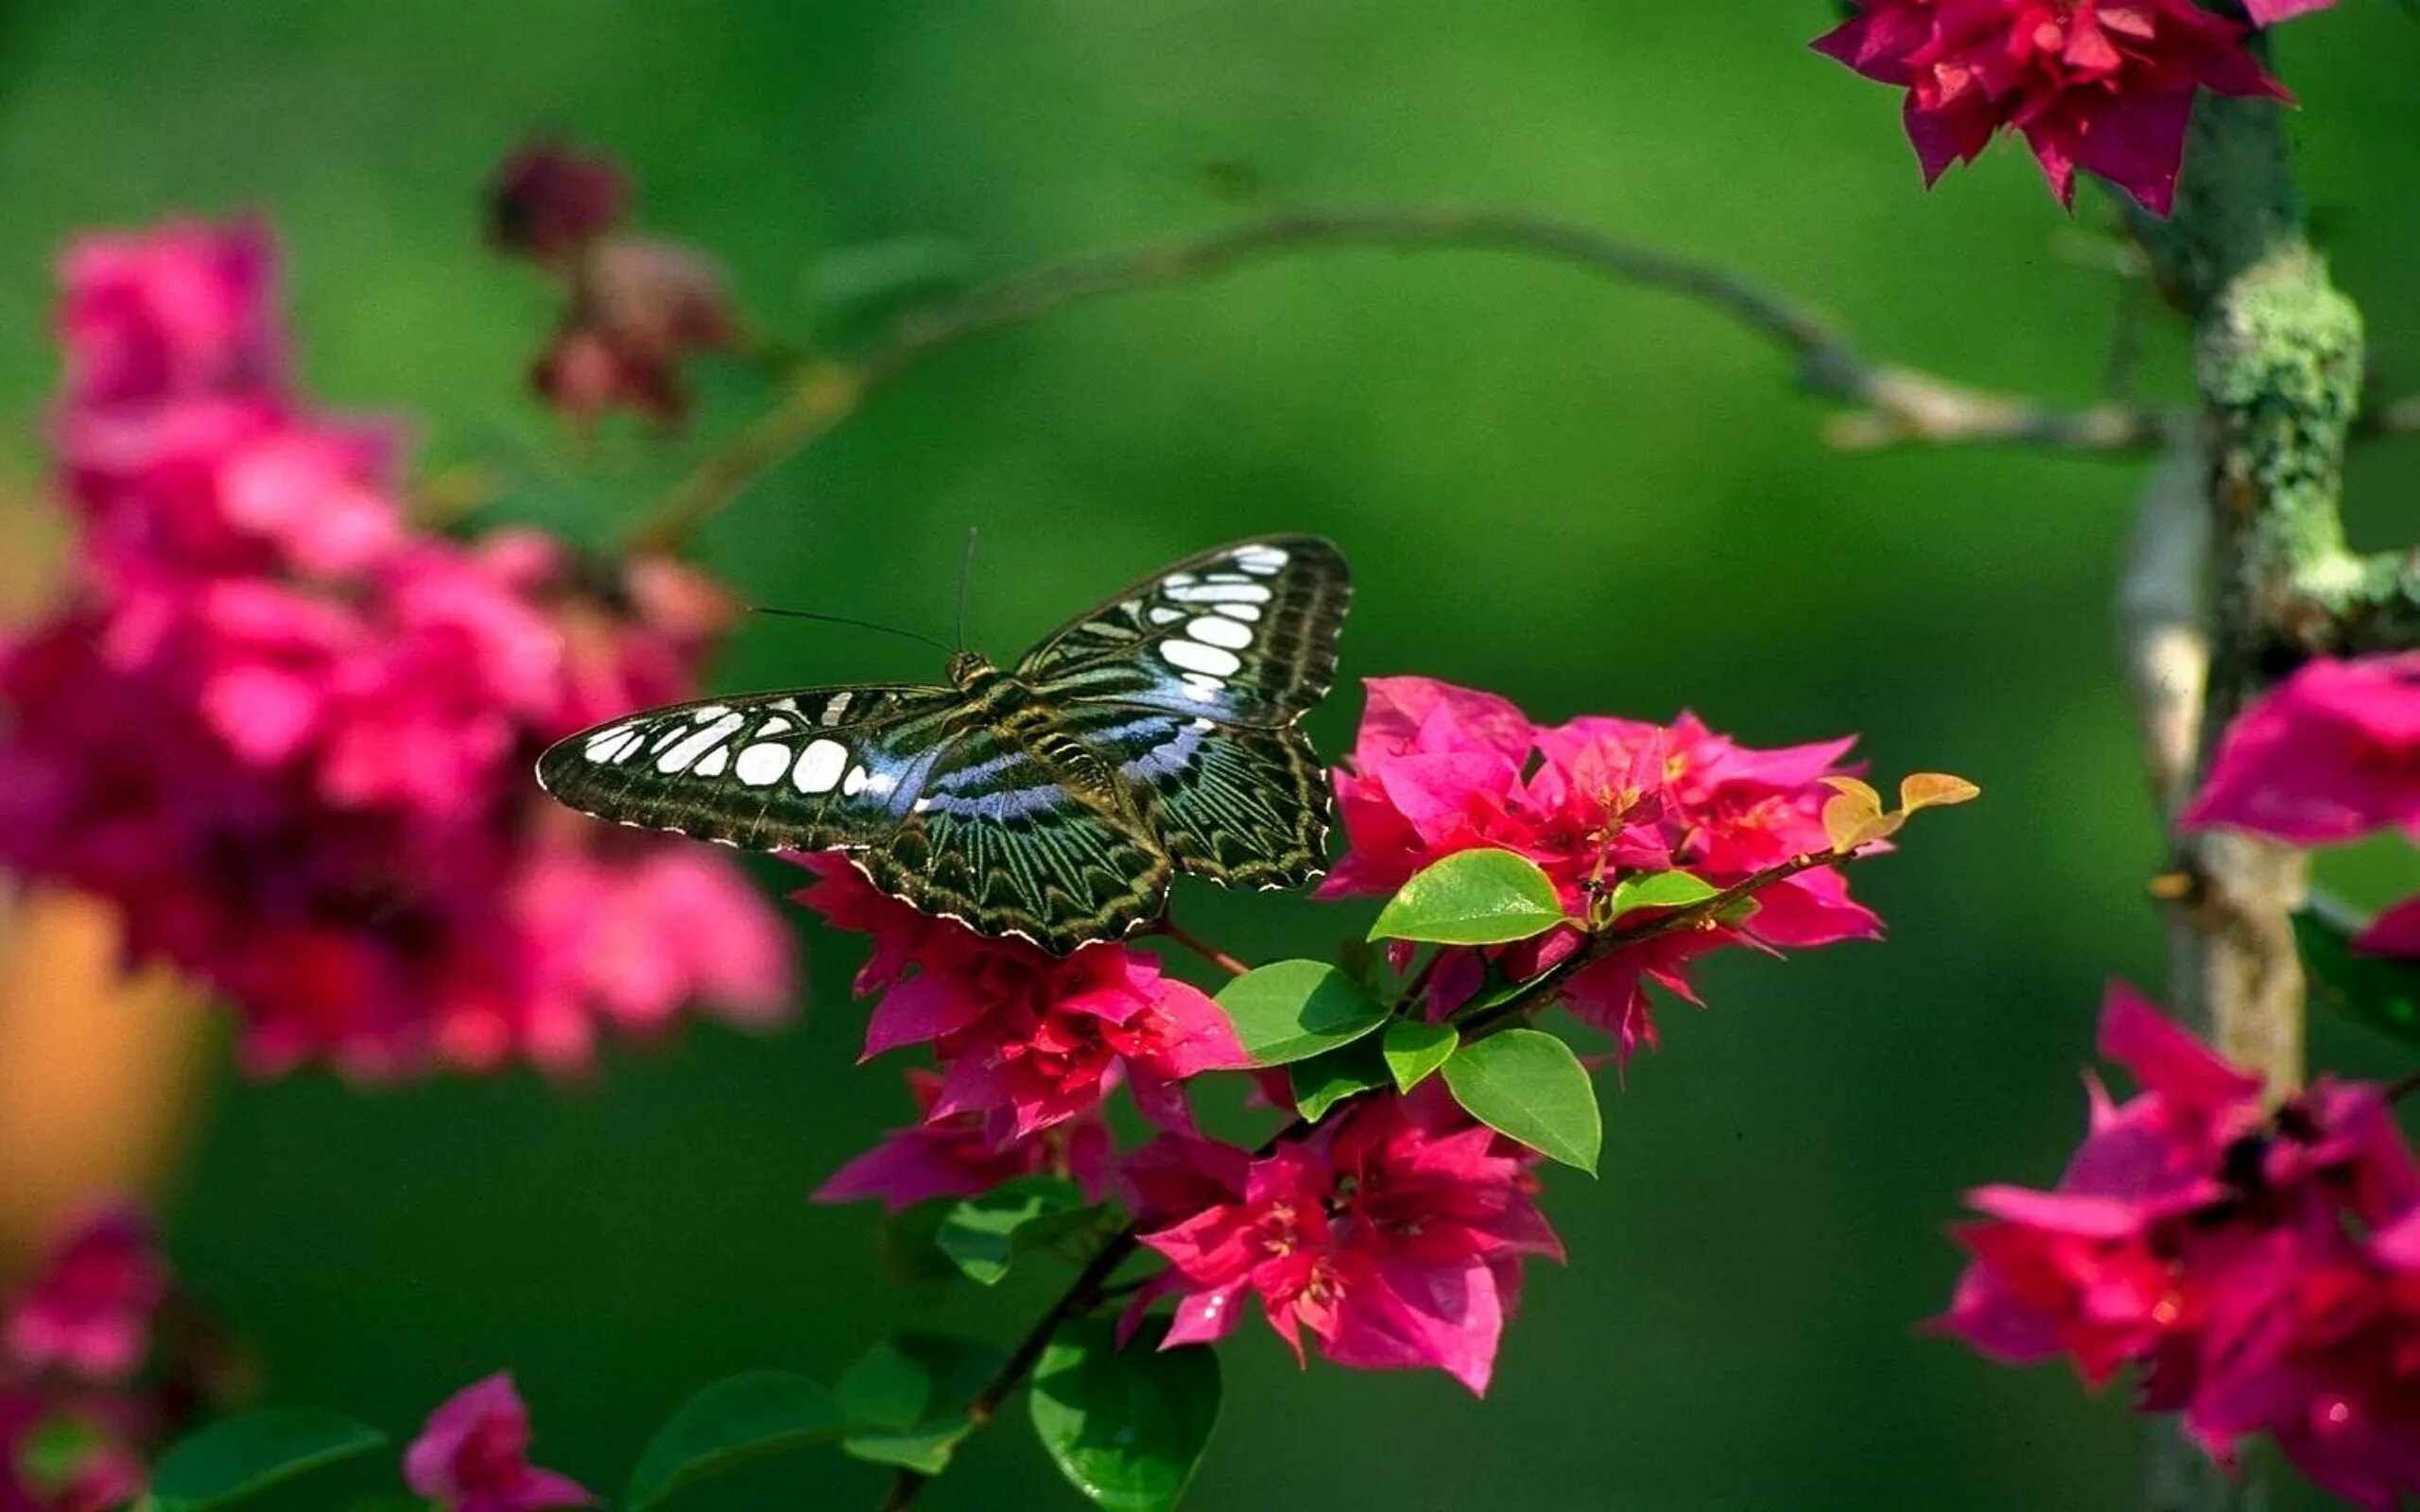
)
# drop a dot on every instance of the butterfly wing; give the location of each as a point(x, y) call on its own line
point(805, 770)
point(1244, 635)
point(1240, 806)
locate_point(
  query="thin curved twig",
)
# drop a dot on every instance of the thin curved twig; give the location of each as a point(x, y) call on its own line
point(1893, 404)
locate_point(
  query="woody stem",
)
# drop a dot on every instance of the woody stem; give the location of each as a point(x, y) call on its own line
point(1233, 966)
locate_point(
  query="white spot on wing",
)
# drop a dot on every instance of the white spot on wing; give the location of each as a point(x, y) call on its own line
point(772, 725)
point(855, 783)
point(717, 762)
point(1162, 614)
point(1195, 657)
point(609, 745)
point(1221, 594)
point(820, 766)
point(1211, 630)
point(763, 766)
point(697, 743)
point(1201, 687)
point(1249, 613)
point(839, 706)
point(706, 712)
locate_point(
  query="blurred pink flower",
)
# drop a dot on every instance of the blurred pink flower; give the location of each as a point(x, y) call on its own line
point(290, 737)
point(548, 202)
point(1394, 1235)
point(1027, 1037)
point(951, 1155)
point(2258, 1267)
point(2330, 754)
point(105, 1476)
point(2102, 85)
point(1437, 769)
point(88, 1309)
point(2270, 13)
point(474, 1456)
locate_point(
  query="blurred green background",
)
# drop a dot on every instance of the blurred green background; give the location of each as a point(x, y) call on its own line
point(1591, 499)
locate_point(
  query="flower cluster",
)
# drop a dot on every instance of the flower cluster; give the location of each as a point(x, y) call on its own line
point(1027, 1041)
point(74, 1420)
point(637, 309)
point(1394, 1234)
point(474, 1456)
point(2262, 1269)
point(2329, 755)
point(289, 735)
point(2102, 85)
point(1437, 769)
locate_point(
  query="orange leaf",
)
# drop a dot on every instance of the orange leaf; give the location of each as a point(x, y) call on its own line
point(1853, 817)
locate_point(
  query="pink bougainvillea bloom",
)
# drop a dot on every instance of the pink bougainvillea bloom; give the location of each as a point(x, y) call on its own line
point(2258, 1267)
point(640, 310)
point(474, 1456)
point(2102, 85)
point(290, 737)
point(952, 1155)
point(106, 1477)
point(1029, 1039)
point(88, 1311)
point(2270, 13)
point(183, 312)
point(548, 202)
point(2330, 754)
point(1393, 1237)
point(1437, 769)
point(2394, 932)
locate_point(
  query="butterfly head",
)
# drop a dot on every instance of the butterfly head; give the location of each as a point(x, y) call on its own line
point(967, 668)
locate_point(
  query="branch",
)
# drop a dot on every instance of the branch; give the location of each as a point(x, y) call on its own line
point(1896, 403)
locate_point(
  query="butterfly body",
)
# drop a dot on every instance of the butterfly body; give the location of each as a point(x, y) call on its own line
point(1051, 801)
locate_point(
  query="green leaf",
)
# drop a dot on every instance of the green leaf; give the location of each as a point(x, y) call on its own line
point(1528, 1086)
point(1127, 1427)
point(239, 1457)
point(1656, 889)
point(957, 1369)
point(1324, 1081)
point(981, 1235)
point(907, 1246)
point(1473, 898)
point(737, 1419)
point(1414, 1049)
point(2382, 992)
point(883, 1390)
point(1293, 1010)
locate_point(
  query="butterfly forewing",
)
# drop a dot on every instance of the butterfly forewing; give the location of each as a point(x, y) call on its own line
point(1244, 634)
point(804, 771)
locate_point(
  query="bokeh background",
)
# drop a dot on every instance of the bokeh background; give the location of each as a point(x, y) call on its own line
point(1588, 498)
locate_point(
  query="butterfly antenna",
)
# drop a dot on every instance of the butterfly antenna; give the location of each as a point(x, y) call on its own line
point(843, 619)
point(965, 578)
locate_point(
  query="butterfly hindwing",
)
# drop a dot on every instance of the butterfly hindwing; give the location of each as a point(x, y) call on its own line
point(999, 842)
point(1241, 806)
point(1243, 634)
point(804, 771)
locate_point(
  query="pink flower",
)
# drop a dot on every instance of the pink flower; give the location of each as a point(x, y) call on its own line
point(290, 737)
point(474, 1456)
point(1029, 1038)
point(107, 1476)
point(1393, 1236)
point(952, 1155)
point(2103, 85)
point(1437, 769)
point(88, 1311)
point(2270, 13)
point(2330, 754)
point(183, 312)
point(2258, 1267)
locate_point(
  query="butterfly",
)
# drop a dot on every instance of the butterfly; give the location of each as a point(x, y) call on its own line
point(1052, 802)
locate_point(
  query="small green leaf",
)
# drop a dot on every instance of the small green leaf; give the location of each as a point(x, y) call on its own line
point(737, 1419)
point(957, 1369)
point(883, 1390)
point(1127, 1427)
point(1656, 889)
point(1527, 1086)
point(239, 1457)
point(1324, 1081)
point(981, 1235)
point(1414, 1049)
point(1293, 1010)
point(2382, 992)
point(1473, 898)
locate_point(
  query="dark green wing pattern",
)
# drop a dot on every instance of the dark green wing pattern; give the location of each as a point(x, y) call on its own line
point(1243, 807)
point(1000, 843)
point(804, 771)
point(1244, 635)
